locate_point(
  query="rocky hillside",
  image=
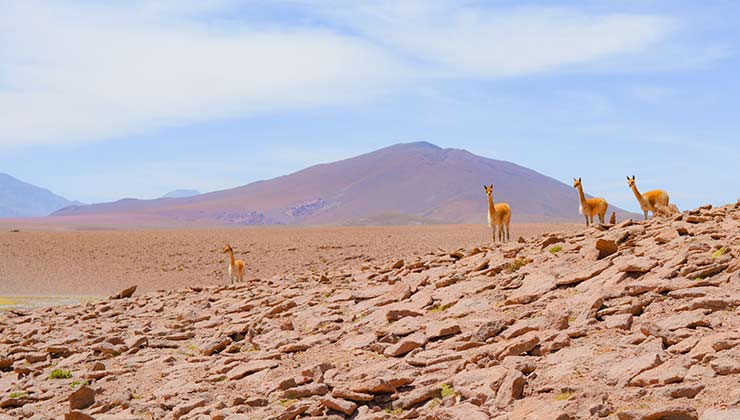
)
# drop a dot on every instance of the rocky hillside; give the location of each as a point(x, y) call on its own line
point(408, 183)
point(633, 321)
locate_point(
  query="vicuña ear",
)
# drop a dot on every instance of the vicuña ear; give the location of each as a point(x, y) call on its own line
point(579, 179)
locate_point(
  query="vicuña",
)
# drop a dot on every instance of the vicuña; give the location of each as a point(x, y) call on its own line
point(236, 267)
point(498, 215)
point(651, 200)
point(590, 207)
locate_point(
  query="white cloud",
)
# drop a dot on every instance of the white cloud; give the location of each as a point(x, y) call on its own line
point(92, 73)
point(466, 41)
point(86, 71)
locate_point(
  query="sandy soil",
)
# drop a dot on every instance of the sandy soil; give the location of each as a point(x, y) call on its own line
point(103, 262)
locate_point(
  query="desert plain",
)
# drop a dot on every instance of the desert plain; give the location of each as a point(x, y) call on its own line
point(59, 259)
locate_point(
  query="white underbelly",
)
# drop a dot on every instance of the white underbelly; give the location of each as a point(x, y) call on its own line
point(580, 209)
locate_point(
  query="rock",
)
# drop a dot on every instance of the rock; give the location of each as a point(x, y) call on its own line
point(82, 398)
point(401, 312)
point(479, 385)
point(5, 363)
point(684, 390)
point(305, 391)
point(417, 396)
point(622, 372)
point(77, 415)
point(511, 389)
point(216, 345)
point(490, 329)
point(442, 329)
point(125, 293)
point(343, 406)
point(606, 247)
point(406, 344)
point(250, 367)
point(186, 407)
point(632, 264)
point(520, 345)
point(375, 386)
point(670, 372)
point(663, 413)
point(462, 411)
point(583, 275)
point(716, 414)
point(725, 366)
point(691, 319)
point(621, 321)
point(346, 394)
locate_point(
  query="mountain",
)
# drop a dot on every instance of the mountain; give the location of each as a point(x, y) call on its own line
point(181, 194)
point(405, 183)
point(20, 199)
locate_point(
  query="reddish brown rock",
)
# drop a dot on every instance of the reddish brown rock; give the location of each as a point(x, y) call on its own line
point(82, 398)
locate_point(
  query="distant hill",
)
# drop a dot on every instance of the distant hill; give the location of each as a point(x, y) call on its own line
point(21, 199)
point(404, 183)
point(181, 194)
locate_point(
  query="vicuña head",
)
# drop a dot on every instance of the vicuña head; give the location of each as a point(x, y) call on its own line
point(590, 207)
point(651, 200)
point(498, 215)
point(236, 267)
point(631, 181)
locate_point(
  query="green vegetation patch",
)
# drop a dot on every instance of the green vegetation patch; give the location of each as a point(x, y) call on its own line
point(515, 265)
point(442, 308)
point(60, 374)
point(554, 250)
point(720, 252)
point(447, 390)
point(17, 394)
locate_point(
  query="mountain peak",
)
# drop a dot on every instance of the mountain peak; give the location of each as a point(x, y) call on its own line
point(416, 145)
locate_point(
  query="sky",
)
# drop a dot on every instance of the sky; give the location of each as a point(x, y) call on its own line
point(101, 100)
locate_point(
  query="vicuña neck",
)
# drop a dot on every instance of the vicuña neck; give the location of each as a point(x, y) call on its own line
point(491, 207)
point(231, 257)
point(581, 195)
point(639, 196)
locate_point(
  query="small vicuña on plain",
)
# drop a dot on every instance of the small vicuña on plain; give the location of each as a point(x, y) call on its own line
point(236, 267)
point(498, 215)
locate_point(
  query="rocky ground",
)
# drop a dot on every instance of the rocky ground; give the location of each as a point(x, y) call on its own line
point(633, 321)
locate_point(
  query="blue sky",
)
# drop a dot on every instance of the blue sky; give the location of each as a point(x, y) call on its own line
point(104, 100)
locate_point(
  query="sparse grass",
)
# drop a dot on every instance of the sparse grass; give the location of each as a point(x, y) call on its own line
point(438, 308)
point(17, 394)
point(327, 295)
point(515, 265)
point(395, 411)
point(447, 390)
point(698, 278)
point(287, 402)
point(75, 384)
point(720, 252)
point(564, 396)
point(60, 374)
point(554, 250)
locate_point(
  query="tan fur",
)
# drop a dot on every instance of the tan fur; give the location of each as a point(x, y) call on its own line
point(649, 201)
point(592, 206)
point(498, 215)
point(236, 267)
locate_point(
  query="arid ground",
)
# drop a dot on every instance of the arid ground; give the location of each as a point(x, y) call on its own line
point(87, 263)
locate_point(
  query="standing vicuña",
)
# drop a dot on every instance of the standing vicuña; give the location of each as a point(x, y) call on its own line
point(236, 267)
point(651, 200)
point(498, 215)
point(590, 207)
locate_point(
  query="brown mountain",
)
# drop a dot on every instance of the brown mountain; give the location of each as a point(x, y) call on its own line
point(400, 184)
